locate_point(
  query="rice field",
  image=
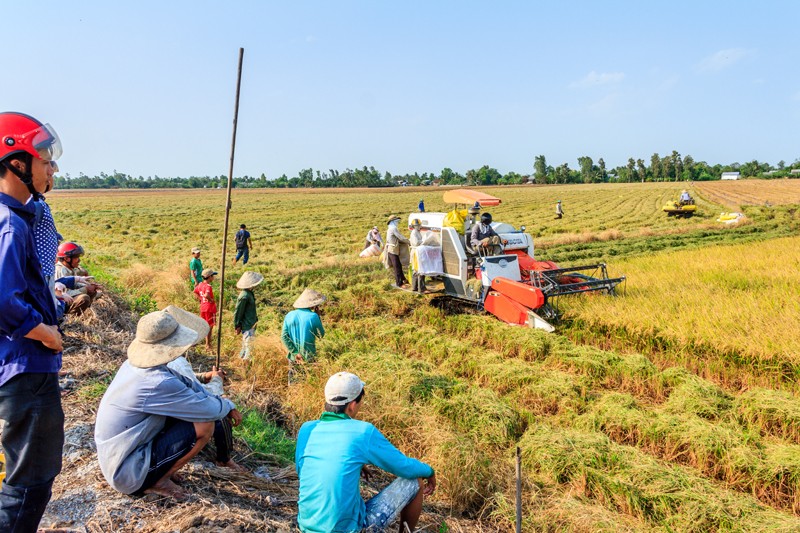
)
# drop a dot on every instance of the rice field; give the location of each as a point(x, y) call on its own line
point(738, 193)
point(672, 407)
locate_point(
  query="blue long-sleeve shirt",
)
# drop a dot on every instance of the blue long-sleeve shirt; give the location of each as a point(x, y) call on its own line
point(134, 409)
point(301, 329)
point(25, 298)
point(330, 454)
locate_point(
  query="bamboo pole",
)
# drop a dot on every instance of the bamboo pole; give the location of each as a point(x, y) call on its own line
point(519, 490)
point(220, 306)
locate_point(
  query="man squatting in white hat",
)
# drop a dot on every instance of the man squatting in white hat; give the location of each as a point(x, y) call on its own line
point(151, 420)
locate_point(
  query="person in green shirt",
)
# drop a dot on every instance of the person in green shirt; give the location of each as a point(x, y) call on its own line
point(196, 267)
point(245, 317)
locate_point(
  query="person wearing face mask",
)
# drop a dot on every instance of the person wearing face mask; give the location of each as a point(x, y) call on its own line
point(30, 342)
point(396, 248)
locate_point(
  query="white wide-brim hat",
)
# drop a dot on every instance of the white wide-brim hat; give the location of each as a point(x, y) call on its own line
point(159, 340)
point(189, 320)
point(310, 298)
point(249, 280)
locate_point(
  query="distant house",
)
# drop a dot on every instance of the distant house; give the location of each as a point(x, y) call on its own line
point(795, 171)
point(730, 175)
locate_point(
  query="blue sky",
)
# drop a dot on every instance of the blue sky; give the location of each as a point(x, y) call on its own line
point(147, 88)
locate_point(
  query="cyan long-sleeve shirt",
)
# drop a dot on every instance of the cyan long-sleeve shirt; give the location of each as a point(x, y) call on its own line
point(329, 456)
point(25, 297)
point(245, 316)
point(132, 412)
point(301, 329)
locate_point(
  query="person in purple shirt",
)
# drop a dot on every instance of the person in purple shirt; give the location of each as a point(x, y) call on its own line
point(30, 342)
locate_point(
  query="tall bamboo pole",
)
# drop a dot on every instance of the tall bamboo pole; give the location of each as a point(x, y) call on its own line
point(221, 307)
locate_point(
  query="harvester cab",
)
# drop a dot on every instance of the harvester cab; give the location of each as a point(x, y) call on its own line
point(511, 285)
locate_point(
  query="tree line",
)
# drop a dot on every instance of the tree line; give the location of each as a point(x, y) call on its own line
point(673, 167)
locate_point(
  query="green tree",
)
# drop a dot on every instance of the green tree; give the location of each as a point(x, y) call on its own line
point(631, 170)
point(540, 169)
point(587, 168)
point(655, 167)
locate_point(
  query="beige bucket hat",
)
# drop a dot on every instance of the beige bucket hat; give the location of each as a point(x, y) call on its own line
point(207, 273)
point(189, 320)
point(195, 250)
point(392, 218)
point(310, 298)
point(159, 340)
point(249, 280)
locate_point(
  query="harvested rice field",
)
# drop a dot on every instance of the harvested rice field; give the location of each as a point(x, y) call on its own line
point(673, 406)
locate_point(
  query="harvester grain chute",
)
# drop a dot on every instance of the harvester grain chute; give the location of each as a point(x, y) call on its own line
point(512, 285)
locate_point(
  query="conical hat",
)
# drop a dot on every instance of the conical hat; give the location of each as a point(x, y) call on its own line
point(310, 298)
point(159, 340)
point(249, 280)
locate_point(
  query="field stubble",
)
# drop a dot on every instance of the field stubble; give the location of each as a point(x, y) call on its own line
point(610, 439)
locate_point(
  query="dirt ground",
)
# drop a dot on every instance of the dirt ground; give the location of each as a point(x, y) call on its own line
point(263, 499)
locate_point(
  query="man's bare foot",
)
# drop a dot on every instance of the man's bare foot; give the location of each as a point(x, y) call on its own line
point(167, 488)
point(233, 465)
point(177, 477)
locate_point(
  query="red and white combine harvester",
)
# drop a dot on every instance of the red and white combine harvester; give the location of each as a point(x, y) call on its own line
point(513, 286)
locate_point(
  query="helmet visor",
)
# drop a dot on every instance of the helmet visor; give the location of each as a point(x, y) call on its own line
point(45, 141)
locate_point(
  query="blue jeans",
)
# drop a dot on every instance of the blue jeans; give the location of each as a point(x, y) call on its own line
point(243, 252)
point(385, 507)
point(33, 437)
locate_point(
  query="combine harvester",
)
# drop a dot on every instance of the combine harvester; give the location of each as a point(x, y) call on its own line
point(513, 286)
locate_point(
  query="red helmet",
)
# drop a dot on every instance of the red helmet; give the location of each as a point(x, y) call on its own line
point(68, 250)
point(22, 133)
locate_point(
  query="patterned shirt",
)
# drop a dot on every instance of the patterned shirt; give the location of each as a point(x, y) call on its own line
point(46, 241)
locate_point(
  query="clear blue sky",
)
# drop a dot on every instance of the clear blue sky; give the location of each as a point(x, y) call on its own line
point(147, 88)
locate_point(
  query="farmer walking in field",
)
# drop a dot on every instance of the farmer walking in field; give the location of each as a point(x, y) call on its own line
point(30, 342)
point(559, 210)
point(396, 249)
point(208, 307)
point(195, 267)
point(301, 329)
point(243, 245)
point(333, 452)
point(151, 421)
point(245, 317)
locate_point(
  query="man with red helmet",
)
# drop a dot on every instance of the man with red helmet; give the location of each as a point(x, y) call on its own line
point(85, 289)
point(30, 343)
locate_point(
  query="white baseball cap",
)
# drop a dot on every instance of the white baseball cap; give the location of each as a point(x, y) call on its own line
point(342, 388)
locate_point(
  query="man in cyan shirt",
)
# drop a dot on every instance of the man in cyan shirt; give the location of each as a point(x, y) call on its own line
point(331, 453)
point(302, 327)
point(30, 343)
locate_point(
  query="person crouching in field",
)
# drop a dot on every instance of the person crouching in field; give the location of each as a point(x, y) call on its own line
point(208, 307)
point(301, 329)
point(195, 267)
point(331, 454)
point(151, 421)
point(245, 317)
